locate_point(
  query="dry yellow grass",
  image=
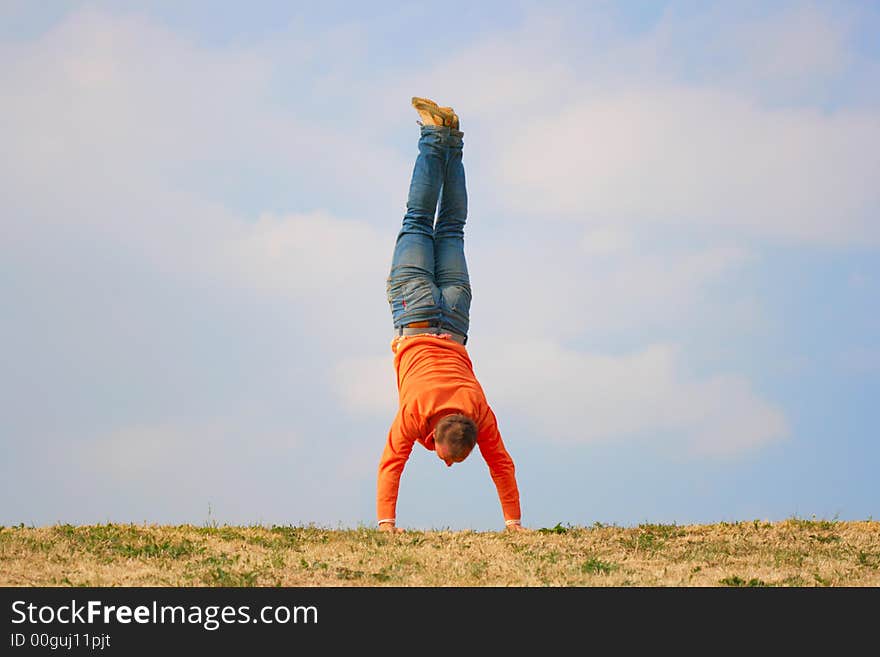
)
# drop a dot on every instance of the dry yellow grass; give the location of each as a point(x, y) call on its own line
point(793, 552)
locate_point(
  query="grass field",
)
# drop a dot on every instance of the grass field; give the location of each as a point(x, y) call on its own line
point(792, 553)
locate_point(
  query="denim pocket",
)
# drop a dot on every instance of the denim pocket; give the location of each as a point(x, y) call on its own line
point(415, 294)
point(458, 299)
point(419, 294)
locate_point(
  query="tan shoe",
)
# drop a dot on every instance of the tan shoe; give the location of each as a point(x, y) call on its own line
point(452, 122)
point(432, 114)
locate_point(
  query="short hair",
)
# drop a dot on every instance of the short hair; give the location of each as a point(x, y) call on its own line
point(458, 433)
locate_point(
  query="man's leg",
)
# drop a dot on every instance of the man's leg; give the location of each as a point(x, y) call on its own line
point(412, 292)
point(450, 266)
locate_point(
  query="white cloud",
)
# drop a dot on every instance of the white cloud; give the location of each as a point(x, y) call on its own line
point(105, 109)
point(550, 288)
point(794, 47)
point(606, 240)
point(600, 128)
point(576, 397)
point(699, 159)
point(194, 451)
point(308, 255)
point(368, 384)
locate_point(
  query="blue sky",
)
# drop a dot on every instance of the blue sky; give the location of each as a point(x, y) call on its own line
point(673, 241)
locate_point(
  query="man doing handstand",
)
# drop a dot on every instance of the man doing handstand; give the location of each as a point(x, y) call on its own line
point(441, 405)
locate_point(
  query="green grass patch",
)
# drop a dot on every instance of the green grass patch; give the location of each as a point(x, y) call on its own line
point(165, 549)
point(644, 541)
point(479, 569)
point(820, 525)
point(662, 531)
point(598, 567)
point(220, 570)
point(822, 581)
point(828, 538)
point(349, 574)
point(788, 557)
point(737, 581)
point(128, 541)
point(221, 577)
point(868, 559)
point(383, 575)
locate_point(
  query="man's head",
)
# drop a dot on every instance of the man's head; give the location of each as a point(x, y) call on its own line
point(454, 438)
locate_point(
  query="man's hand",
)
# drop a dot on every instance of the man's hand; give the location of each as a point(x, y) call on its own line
point(390, 527)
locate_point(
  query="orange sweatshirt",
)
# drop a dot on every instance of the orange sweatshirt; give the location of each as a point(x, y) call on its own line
point(435, 377)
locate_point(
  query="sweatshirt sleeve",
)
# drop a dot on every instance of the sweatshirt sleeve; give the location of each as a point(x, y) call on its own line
point(397, 450)
point(501, 467)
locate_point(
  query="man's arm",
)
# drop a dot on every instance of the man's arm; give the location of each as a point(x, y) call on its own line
point(501, 469)
point(394, 457)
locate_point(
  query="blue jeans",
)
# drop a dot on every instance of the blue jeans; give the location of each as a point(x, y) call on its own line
point(429, 279)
